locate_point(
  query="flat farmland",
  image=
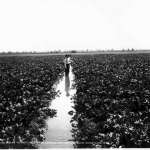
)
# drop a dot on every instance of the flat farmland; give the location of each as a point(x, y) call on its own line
point(25, 94)
point(111, 106)
point(78, 53)
point(112, 101)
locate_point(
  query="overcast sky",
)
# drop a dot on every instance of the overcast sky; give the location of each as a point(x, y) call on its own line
point(41, 25)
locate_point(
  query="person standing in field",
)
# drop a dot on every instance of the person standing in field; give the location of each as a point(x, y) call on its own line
point(67, 63)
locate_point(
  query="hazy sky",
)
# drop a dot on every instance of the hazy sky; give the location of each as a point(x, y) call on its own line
point(41, 25)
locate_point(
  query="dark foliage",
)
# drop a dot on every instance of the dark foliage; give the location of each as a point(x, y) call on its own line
point(112, 102)
point(26, 90)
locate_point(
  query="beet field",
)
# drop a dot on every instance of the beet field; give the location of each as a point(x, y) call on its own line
point(26, 89)
point(112, 101)
point(110, 107)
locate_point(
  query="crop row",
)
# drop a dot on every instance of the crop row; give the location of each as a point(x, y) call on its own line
point(26, 90)
point(112, 102)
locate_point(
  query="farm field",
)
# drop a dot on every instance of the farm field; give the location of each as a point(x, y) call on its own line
point(112, 101)
point(25, 93)
point(77, 53)
point(111, 106)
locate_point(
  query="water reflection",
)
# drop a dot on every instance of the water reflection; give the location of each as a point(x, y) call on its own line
point(67, 84)
point(59, 133)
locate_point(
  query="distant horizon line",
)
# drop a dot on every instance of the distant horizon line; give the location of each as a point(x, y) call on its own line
point(78, 50)
point(72, 51)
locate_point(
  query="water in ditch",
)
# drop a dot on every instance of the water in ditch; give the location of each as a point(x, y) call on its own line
point(59, 134)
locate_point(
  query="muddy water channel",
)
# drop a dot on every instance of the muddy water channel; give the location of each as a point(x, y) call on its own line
point(59, 128)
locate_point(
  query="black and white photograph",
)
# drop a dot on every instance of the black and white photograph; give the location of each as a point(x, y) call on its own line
point(74, 74)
